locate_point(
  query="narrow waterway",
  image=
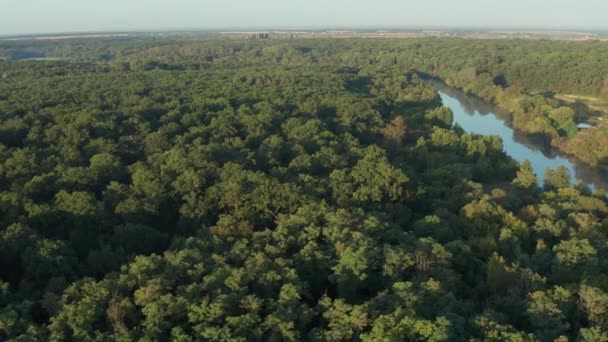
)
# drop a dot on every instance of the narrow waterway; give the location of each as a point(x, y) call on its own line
point(480, 117)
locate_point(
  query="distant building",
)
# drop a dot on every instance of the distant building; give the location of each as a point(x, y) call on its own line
point(583, 125)
point(261, 35)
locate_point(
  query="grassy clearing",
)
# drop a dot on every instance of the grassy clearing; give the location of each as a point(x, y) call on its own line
point(590, 109)
point(594, 103)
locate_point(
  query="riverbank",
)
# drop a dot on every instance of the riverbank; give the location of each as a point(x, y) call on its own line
point(545, 118)
point(478, 116)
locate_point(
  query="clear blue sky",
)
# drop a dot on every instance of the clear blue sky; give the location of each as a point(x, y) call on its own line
point(46, 16)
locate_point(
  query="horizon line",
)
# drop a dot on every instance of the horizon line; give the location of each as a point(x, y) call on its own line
point(219, 29)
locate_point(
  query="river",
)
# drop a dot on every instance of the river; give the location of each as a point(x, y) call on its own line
point(477, 116)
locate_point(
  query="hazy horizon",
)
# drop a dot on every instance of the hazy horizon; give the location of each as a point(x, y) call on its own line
point(70, 16)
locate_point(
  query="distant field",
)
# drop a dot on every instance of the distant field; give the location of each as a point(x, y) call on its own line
point(50, 59)
point(594, 103)
point(413, 33)
point(60, 37)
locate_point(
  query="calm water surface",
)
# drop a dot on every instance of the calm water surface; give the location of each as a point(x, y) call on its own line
point(477, 116)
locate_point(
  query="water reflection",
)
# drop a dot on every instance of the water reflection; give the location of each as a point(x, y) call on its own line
point(480, 117)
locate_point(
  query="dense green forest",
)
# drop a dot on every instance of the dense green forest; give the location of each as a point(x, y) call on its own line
point(316, 190)
point(524, 77)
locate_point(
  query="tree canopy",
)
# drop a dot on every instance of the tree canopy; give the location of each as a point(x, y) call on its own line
point(242, 190)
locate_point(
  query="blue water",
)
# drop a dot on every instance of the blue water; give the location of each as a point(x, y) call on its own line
point(475, 116)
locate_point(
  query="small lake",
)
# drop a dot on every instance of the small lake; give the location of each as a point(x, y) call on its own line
point(477, 116)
